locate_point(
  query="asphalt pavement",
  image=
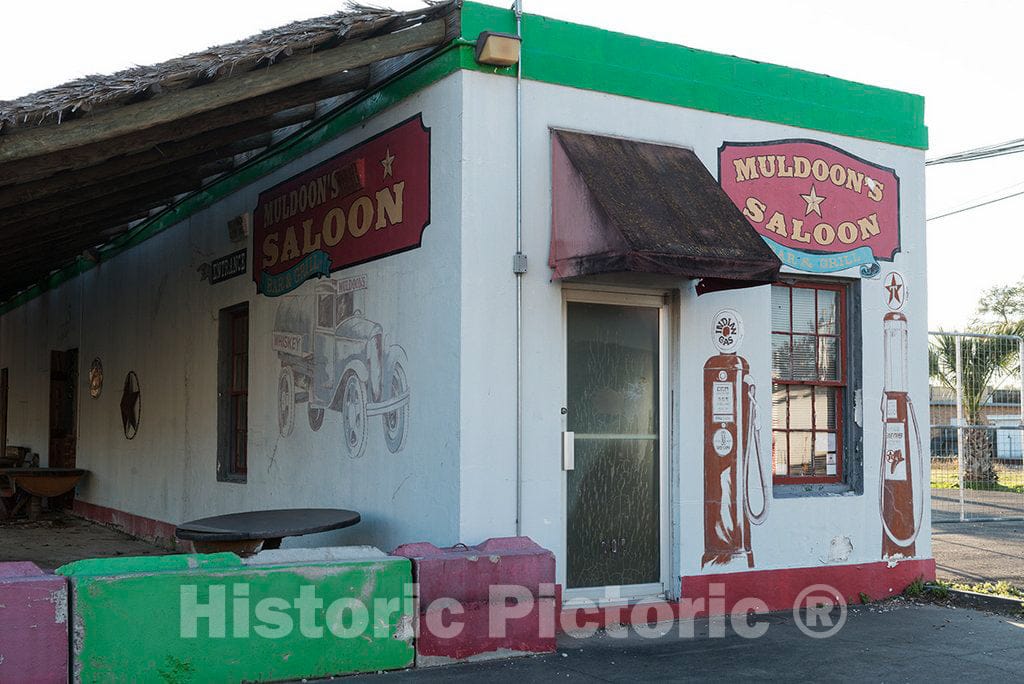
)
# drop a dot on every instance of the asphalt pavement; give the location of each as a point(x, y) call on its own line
point(892, 642)
point(979, 552)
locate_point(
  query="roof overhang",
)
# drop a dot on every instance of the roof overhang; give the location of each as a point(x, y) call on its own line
point(83, 164)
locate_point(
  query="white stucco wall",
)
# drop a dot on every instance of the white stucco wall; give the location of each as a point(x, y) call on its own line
point(147, 310)
point(800, 529)
point(451, 305)
point(27, 335)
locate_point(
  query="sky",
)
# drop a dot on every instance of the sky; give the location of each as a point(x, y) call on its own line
point(962, 56)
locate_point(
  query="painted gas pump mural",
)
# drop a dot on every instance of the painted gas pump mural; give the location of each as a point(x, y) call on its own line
point(902, 455)
point(334, 358)
point(731, 430)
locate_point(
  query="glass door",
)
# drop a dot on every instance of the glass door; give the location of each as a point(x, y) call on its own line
point(614, 492)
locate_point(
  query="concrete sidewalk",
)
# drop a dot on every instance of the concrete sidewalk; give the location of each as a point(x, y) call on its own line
point(895, 641)
point(58, 538)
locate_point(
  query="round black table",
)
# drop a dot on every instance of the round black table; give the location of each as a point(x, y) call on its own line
point(246, 533)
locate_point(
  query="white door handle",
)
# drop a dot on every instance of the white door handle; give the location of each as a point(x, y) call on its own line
point(568, 450)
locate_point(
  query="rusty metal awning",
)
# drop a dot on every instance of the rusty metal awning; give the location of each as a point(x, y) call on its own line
point(622, 206)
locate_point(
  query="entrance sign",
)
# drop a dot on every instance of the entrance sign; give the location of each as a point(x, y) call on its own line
point(818, 207)
point(364, 204)
point(227, 267)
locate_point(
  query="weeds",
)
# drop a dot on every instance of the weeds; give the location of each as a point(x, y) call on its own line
point(915, 589)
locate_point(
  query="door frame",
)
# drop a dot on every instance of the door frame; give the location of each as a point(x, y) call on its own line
point(663, 301)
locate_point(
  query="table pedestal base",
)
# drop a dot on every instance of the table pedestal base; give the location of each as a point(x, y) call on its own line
point(244, 548)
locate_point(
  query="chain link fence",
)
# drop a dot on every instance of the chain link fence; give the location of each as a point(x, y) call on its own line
point(977, 427)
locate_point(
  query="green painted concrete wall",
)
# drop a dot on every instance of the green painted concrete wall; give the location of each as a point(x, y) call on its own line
point(132, 621)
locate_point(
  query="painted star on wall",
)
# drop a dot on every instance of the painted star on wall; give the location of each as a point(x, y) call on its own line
point(813, 202)
point(387, 161)
point(131, 405)
point(895, 289)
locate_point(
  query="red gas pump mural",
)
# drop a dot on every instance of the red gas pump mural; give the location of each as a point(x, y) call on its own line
point(731, 429)
point(901, 438)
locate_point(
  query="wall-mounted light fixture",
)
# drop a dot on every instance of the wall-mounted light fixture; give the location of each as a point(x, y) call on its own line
point(497, 49)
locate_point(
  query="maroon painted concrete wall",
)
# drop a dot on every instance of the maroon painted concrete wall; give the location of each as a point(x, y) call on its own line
point(457, 618)
point(157, 531)
point(33, 625)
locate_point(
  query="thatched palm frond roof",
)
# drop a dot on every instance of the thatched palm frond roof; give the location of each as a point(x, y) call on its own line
point(94, 93)
point(88, 162)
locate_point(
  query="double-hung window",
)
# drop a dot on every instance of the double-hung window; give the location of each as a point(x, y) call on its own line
point(809, 381)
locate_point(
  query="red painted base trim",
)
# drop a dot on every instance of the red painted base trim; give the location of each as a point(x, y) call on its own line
point(763, 590)
point(779, 589)
point(156, 531)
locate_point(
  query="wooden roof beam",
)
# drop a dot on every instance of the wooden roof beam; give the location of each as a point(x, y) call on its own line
point(82, 156)
point(109, 193)
point(222, 93)
point(122, 207)
point(199, 149)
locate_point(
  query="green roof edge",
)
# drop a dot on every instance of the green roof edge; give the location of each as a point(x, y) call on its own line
point(590, 58)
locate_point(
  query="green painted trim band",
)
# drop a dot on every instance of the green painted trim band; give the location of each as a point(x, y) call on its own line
point(589, 58)
point(447, 61)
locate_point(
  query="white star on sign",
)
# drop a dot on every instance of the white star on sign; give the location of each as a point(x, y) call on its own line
point(387, 161)
point(813, 202)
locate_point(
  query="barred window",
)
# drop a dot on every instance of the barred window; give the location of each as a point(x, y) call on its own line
point(233, 393)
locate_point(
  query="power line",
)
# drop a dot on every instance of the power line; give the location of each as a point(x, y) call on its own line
point(986, 152)
point(975, 206)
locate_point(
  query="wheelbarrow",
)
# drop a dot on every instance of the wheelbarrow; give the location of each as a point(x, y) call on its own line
point(37, 484)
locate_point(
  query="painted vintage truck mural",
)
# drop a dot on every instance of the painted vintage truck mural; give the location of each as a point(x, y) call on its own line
point(333, 357)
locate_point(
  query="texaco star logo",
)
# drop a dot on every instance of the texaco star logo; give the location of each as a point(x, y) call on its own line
point(131, 405)
point(895, 291)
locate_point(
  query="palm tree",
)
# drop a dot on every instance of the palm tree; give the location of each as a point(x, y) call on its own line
point(984, 362)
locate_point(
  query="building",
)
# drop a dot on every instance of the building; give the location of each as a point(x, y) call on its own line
point(673, 349)
point(1001, 411)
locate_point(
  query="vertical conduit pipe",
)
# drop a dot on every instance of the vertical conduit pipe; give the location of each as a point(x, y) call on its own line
point(517, 9)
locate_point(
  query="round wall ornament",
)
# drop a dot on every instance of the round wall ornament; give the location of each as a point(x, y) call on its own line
point(96, 378)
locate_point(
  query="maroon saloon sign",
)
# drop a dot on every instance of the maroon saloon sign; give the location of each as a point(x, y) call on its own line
point(366, 203)
point(818, 207)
